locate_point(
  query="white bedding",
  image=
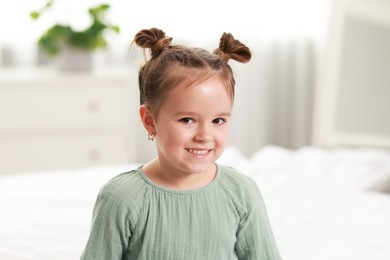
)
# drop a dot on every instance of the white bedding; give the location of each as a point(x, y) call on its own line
point(323, 204)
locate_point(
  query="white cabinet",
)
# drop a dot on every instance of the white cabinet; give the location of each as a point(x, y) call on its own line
point(53, 121)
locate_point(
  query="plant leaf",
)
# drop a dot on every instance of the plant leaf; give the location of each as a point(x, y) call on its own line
point(34, 15)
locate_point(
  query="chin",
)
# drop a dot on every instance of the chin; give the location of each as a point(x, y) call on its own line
point(199, 169)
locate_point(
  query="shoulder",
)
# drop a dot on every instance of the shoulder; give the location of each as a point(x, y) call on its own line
point(236, 181)
point(123, 181)
point(241, 188)
point(127, 189)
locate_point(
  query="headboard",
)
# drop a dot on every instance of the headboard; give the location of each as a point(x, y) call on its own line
point(352, 100)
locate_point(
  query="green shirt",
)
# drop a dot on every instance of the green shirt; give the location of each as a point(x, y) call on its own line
point(135, 219)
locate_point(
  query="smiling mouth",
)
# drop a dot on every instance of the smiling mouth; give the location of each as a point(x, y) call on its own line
point(198, 151)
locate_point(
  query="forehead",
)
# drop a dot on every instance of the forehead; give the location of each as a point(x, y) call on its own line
point(210, 92)
point(182, 77)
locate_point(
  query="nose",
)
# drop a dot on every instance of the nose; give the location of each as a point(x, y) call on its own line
point(203, 134)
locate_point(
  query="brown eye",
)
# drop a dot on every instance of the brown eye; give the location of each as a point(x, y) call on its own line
point(219, 121)
point(186, 120)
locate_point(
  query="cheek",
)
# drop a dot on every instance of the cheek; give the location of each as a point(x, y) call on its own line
point(222, 136)
point(174, 135)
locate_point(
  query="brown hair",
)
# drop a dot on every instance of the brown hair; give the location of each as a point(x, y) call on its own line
point(171, 65)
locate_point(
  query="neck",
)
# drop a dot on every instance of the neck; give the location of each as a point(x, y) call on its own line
point(171, 179)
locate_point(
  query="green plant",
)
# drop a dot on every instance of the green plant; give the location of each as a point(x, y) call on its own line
point(89, 39)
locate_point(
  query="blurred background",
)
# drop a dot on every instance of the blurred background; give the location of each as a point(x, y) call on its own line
point(69, 110)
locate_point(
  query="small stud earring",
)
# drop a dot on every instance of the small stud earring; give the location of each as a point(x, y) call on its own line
point(151, 137)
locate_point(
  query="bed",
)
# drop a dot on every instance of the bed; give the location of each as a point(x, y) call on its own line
point(322, 203)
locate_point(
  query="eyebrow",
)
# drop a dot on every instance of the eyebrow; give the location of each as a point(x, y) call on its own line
point(189, 113)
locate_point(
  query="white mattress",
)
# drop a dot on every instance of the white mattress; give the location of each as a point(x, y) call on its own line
point(323, 204)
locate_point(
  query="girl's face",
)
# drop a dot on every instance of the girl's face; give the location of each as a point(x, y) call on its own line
point(192, 126)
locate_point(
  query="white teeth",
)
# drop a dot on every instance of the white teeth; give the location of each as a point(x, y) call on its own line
point(199, 152)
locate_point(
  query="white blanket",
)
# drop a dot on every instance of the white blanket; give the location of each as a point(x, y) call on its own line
point(322, 204)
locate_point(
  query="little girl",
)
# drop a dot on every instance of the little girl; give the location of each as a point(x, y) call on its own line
point(183, 205)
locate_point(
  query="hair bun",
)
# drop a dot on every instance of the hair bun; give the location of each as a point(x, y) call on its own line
point(230, 48)
point(153, 39)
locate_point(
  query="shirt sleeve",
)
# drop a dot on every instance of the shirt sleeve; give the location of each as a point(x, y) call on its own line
point(110, 230)
point(255, 239)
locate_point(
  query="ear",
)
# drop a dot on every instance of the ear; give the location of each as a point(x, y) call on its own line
point(147, 119)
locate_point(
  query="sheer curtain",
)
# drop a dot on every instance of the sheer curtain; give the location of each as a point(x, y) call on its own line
point(274, 95)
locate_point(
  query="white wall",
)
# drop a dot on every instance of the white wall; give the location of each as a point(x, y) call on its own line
point(199, 23)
